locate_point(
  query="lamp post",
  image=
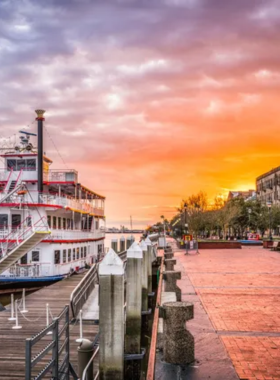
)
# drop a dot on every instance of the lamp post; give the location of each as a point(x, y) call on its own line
point(269, 204)
point(249, 215)
point(185, 213)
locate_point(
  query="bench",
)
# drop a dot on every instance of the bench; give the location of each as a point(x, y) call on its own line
point(275, 246)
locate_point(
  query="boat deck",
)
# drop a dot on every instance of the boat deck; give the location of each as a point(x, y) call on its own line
point(12, 342)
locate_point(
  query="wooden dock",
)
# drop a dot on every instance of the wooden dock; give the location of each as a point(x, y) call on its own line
point(12, 342)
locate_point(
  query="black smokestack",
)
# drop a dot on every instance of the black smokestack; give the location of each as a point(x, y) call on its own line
point(40, 119)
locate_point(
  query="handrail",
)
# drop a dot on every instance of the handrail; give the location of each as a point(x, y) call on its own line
point(8, 179)
point(152, 355)
point(81, 292)
point(89, 363)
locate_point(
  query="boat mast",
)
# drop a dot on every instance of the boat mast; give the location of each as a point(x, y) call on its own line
point(40, 119)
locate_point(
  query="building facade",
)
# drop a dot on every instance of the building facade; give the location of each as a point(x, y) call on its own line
point(268, 186)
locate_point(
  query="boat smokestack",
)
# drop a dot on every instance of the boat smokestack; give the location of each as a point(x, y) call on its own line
point(40, 119)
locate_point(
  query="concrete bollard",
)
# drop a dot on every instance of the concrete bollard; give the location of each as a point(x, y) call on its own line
point(85, 351)
point(170, 279)
point(168, 250)
point(145, 264)
point(169, 264)
point(133, 309)
point(114, 244)
point(178, 345)
point(111, 317)
point(128, 242)
point(122, 244)
point(150, 273)
point(168, 255)
point(165, 297)
point(133, 299)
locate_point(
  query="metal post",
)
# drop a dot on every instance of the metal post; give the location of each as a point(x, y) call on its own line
point(12, 308)
point(17, 326)
point(28, 356)
point(79, 340)
point(55, 350)
point(24, 310)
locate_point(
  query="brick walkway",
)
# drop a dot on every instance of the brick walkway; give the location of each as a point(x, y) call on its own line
point(240, 290)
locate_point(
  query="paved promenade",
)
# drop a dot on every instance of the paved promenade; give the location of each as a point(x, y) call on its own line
point(240, 291)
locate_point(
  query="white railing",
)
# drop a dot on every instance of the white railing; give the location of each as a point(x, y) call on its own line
point(19, 234)
point(76, 204)
point(75, 234)
point(33, 270)
point(81, 205)
point(61, 175)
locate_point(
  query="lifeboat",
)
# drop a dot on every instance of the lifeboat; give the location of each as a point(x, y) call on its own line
point(22, 192)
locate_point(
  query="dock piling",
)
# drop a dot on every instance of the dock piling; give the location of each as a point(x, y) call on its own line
point(111, 317)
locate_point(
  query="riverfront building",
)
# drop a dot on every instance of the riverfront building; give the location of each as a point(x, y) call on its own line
point(268, 186)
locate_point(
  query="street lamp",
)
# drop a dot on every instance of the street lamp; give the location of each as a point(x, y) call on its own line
point(269, 204)
point(185, 211)
point(249, 212)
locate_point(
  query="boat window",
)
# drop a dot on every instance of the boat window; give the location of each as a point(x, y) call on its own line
point(85, 251)
point(82, 252)
point(64, 255)
point(21, 164)
point(69, 255)
point(54, 222)
point(23, 260)
point(11, 164)
point(29, 221)
point(74, 254)
point(78, 253)
point(68, 224)
point(35, 256)
point(57, 257)
point(31, 164)
point(64, 223)
point(16, 221)
point(49, 221)
point(59, 223)
point(96, 225)
point(3, 221)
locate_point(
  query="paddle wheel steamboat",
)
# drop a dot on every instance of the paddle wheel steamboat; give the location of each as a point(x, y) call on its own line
point(51, 225)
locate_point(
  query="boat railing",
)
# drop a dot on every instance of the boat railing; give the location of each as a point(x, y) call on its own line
point(20, 233)
point(74, 234)
point(60, 175)
point(33, 270)
point(82, 291)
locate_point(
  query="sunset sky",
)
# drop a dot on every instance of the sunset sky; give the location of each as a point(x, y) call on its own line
point(150, 100)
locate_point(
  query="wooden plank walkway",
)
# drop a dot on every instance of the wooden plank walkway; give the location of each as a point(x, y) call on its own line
point(12, 342)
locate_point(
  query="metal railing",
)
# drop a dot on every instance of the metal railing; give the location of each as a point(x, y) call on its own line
point(22, 232)
point(94, 355)
point(54, 357)
point(82, 291)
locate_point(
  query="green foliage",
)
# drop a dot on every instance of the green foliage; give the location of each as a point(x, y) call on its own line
point(236, 215)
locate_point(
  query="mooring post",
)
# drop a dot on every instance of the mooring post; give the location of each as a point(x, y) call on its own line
point(150, 254)
point(85, 351)
point(128, 242)
point(133, 310)
point(170, 283)
point(169, 264)
point(145, 264)
point(178, 344)
point(111, 317)
point(122, 244)
point(114, 244)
